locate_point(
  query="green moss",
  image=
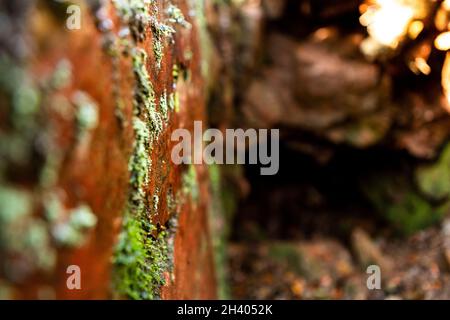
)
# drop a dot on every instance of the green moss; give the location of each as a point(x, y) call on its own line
point(139, 260)
point(394, 197)
point(136, 14)
point(141, 257)
point(412, 204)
point(142, 254)
point(140, 15)
point(144, 97)
point(434, 179)
point(14, 204)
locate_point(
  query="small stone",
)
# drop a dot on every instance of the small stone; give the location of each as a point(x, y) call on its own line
point(367, 252)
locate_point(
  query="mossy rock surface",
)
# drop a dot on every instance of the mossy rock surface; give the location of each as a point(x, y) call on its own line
point(398, 200)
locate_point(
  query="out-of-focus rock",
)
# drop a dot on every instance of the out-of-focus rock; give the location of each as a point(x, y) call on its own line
point(315, 260)
point(332, 92)
point(368, 253)
point(274, 8)
point(86, 177)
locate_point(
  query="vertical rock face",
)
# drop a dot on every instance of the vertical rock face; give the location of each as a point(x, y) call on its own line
point(86, 177)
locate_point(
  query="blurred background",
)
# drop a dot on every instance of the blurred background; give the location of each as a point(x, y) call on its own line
point(91, 90)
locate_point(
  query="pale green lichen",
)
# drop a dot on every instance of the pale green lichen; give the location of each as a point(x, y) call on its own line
point(144, 96)
point(72, 233)
point(141, 257)
point(23, 235)
point(143, 253)
point(164, 107)
point(62, 76)
point(176, 16)
point(190, 184)
point(27, 144)
point(139, 164)
point(23, 98)
point(86, 115)
point(160, 32)
point(136, 14)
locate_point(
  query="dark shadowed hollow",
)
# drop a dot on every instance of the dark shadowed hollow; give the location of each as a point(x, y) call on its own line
point(92, 205)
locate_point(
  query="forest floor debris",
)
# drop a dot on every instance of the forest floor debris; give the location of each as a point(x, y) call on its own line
point(321, 268)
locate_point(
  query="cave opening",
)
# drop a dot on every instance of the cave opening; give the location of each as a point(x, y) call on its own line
point(353, 188)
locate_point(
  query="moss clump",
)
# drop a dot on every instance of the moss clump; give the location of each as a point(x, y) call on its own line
point(160, 32)
point(141, 257)
point(140, 15)
point(142, 254)
point(144, 96)
point(434, 180)
point(140, 260)
point(395, 198)
point(136, 14)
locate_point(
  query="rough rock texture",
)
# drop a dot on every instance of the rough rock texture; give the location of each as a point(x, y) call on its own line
point(86, 176)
